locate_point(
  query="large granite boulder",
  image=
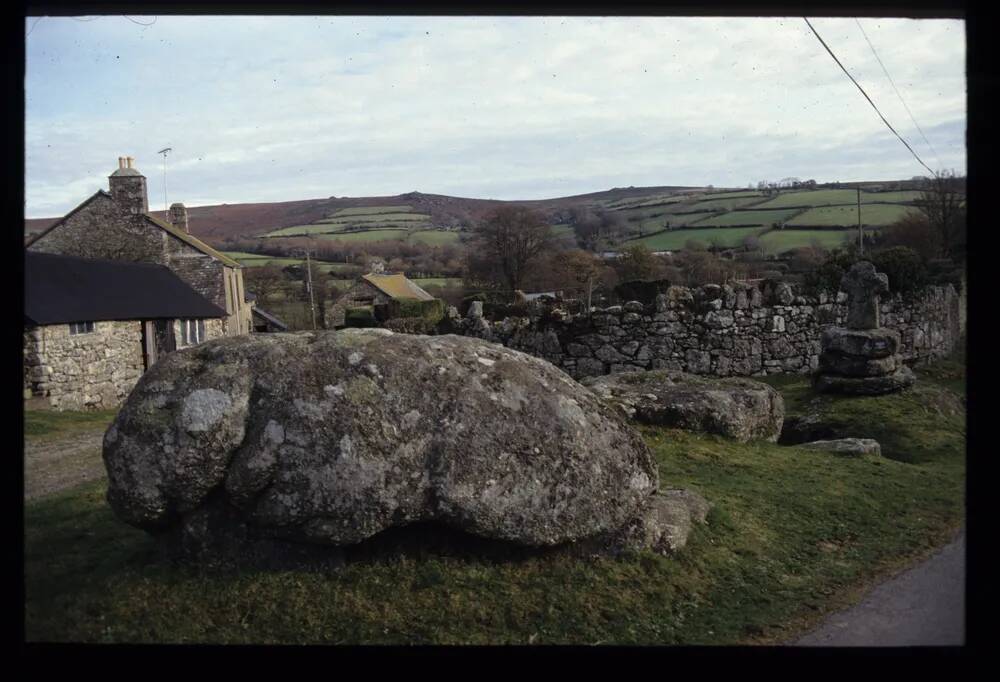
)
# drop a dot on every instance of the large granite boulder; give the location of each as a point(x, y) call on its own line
point(738, 408)
point(331, 437)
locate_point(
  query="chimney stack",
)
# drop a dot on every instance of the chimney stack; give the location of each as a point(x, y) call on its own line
point(179, 217)
point(128, 186)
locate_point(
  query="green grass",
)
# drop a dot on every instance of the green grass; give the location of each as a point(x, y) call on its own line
point(728, 203)
point(832, 197)
point(871, 214)
point(777, 241)
point(378, 218)
point(49, 425)
point(368, 236)
point(243, 255)
point(792, 535)
point(438, 281)
point(674, 240)
point(747, 218)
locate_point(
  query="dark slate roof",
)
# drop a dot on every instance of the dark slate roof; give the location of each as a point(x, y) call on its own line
point(59, 289)
point(268, 317)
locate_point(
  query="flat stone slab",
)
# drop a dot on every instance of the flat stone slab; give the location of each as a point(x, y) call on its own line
point(834, 362)
point(866, 343)
point(890, 383)
point(738, 408)
point(852, 447)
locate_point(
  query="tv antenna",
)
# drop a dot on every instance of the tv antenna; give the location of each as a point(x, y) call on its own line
point(166, 212)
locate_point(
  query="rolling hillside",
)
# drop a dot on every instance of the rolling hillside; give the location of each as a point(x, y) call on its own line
point(661, 217)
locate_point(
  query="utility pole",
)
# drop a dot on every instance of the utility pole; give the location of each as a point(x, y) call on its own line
point(309, 286)
point(861, 240)
point(166, 212)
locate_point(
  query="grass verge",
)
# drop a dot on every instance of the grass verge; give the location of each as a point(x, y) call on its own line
point(792, 535)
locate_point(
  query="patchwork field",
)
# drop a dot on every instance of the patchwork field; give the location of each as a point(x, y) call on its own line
point(833, 197)
point(739, 218)
point(777, 241)
point(674, 240)
point(847, 216)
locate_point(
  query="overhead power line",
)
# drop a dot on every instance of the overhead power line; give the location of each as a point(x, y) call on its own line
point(893, 84)
point(823, 43)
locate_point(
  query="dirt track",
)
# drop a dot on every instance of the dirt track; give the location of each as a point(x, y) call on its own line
point(54, 465)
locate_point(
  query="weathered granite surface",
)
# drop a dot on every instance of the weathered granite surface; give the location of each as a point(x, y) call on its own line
point(738, 408)
point(329, 438)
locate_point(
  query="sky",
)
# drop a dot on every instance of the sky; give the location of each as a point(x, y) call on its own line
point(262, 109)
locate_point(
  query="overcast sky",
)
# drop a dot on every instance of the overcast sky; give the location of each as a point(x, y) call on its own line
point(261, 109)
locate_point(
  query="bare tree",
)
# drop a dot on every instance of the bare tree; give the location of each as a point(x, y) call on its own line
point(943, 204)
point(513, 237)
point(583, 269)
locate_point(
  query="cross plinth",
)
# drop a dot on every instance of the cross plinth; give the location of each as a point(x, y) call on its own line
point(863, 286)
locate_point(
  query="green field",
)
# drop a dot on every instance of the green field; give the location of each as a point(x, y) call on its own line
point(655, 223)
point(438, 281)
point(747, 218)
point(793, 535)
point(847, 216)
point(777, 241)
point(833, 197)
point(380, 218)
point(674, 240)
point(726, 204)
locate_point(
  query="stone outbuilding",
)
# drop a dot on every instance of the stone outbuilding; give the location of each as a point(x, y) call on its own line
point(92, 327)
point(374, 289)
point(116, 225)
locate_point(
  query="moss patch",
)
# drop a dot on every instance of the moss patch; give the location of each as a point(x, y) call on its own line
point(792, 535)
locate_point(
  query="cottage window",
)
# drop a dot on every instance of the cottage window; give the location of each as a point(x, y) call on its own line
point(193, 331)
point(80, 328)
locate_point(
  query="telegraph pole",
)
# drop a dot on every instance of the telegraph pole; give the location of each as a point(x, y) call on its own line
point(861, 240)
point(309, 286)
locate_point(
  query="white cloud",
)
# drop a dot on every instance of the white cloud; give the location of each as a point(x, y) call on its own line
point(283, 108)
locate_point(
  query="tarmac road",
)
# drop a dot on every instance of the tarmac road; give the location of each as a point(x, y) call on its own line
point(924, 606)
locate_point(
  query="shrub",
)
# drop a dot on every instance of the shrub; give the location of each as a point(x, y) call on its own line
point(906, 269)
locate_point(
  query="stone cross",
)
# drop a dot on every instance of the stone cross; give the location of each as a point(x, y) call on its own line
point(863, 286)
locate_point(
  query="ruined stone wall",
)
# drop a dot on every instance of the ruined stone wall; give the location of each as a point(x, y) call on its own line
point(362, 293)
point(96, 370)
point(716, 330)
point(103, 229)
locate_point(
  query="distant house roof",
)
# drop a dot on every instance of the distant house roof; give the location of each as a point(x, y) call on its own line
point(397, 286)
point(532, 297)
point(270, 319)
point(180, 234)
point(59, 289)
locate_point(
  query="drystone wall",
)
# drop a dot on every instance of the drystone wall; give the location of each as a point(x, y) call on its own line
point(83, 371)
point(715, 330)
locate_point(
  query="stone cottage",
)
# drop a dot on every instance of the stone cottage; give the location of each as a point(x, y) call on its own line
point(116, 225)
point(373, 289)
point(92, 327)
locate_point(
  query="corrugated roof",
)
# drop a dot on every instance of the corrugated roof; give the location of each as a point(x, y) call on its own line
point(59, 289)
point(397, 286)
point(193, 241)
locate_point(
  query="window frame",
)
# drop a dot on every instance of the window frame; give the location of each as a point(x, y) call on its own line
point(82, 328)
point(192, 331)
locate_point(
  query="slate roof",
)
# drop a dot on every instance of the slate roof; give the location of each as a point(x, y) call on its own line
point(180, 234)
point(60, 289)
point(397, 286)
